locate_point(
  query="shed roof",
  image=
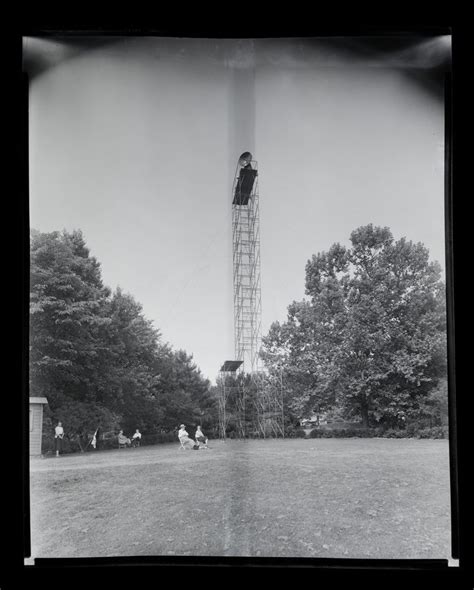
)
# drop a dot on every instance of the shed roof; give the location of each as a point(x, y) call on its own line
point(38, 400)
point(231, 366)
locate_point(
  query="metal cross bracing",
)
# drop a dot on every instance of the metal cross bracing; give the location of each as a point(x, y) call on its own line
point(246, 270)
point(231, 399)
point(267, 396)
point(270, 413)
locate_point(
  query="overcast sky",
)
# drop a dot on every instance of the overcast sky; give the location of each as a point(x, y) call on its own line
point(135, 142)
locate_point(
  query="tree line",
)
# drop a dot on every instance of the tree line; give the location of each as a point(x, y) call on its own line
point(95, 356)
point(367, 343)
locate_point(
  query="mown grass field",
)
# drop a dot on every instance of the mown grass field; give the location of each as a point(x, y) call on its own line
point(353, 498)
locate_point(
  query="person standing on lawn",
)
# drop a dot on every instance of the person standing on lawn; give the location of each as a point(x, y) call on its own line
point(58, 438)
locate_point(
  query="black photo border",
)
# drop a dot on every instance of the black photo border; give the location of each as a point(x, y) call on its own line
point(124, 571)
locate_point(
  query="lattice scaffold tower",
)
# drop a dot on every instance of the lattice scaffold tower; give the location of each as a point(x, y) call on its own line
point(246, 263)
point(247, 295)
point(231, 390)
point(272, 414)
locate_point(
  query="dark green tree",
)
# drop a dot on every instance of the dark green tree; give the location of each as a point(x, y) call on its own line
point(182, 394)
point(94, 354)
point(67, 316)
point(129, 382)
point(371, 338)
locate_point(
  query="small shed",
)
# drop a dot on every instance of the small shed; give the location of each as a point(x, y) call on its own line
point(36, 424)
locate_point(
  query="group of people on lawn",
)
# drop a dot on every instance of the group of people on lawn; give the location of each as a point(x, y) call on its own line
point(124, 441)
point(200, 441)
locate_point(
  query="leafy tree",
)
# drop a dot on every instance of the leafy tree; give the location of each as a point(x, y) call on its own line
point(182, 394)
point(434, 407)
point(371, 337)
point(95, 356)
point(129, 381)
point(66, 318)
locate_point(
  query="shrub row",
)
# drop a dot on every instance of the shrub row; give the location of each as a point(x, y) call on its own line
point(434, 432)
point(342, 433)
point(292, 432)
point(70, 446)
point(146, 440)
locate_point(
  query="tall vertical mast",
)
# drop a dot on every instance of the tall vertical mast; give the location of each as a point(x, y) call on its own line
point(246, 263)
point(267, 399)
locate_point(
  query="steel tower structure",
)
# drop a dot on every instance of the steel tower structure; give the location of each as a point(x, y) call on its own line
point(247, 313)
point(246, 264)
point(230, 388)
point(248, 300)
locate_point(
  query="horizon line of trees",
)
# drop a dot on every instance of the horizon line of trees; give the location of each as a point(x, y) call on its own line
point(367, 344)
point(94, 355)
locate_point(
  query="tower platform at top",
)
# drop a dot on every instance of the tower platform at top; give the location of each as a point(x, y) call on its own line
point(244, 185)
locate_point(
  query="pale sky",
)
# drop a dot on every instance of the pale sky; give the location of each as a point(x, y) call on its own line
point(135, 142)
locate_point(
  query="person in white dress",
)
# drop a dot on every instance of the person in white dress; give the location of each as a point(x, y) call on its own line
point(184, 437)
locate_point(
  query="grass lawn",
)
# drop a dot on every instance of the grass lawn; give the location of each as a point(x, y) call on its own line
point(356, 498)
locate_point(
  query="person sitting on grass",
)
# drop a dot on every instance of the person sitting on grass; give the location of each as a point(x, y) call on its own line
point(184, 439)
point(136, 438)
point(200, 438)
point(123, 441)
